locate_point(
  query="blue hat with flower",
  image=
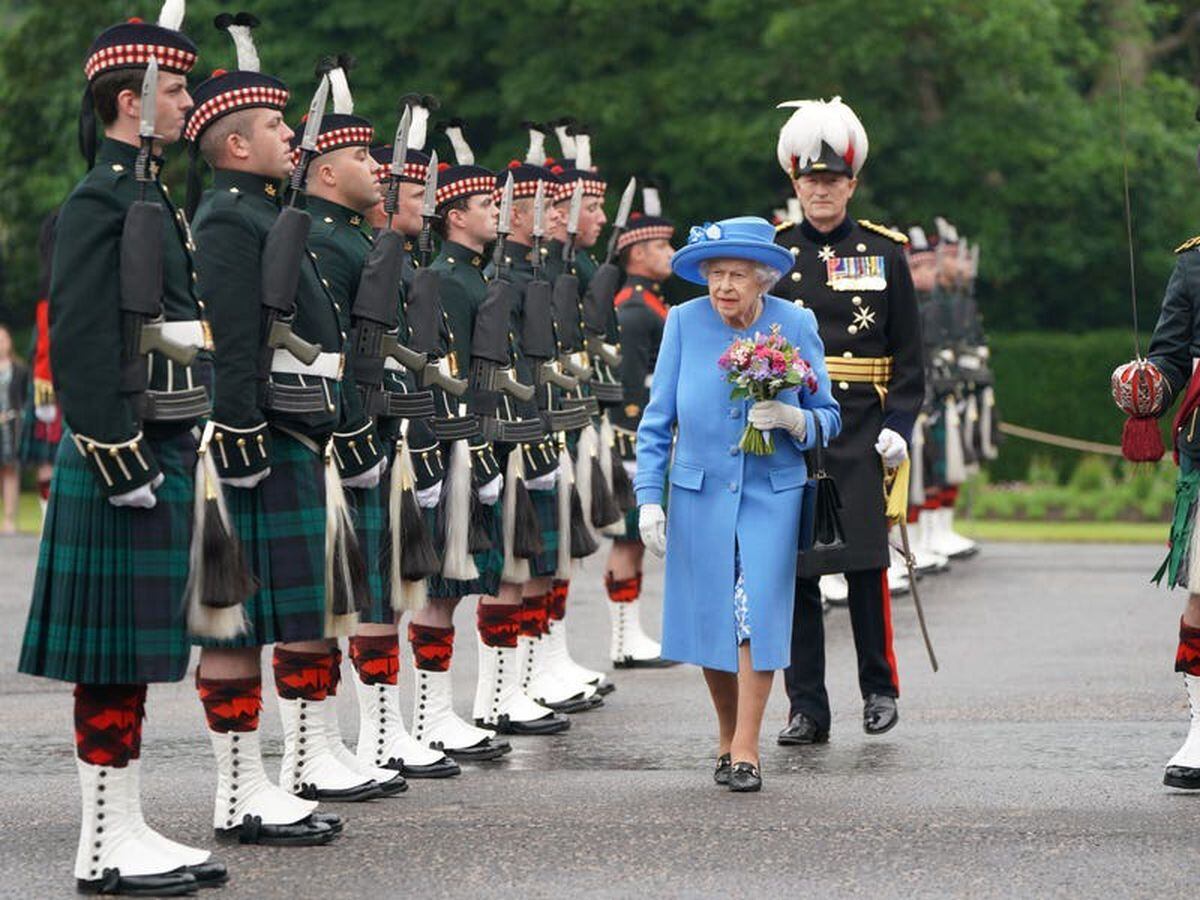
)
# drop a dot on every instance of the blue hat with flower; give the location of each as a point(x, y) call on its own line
point(745, 237)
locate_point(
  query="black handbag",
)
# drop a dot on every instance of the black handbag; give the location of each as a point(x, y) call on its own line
point(820, 519)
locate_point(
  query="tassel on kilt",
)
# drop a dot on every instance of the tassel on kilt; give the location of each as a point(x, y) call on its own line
point(478, 538)
point(414, 557)
point(516, 567)
point(970, 434)
point(457, 562)
point(601, 510)
point(566, 487)
point(956, 471)
point(1141, 441)
point(345, 572)
point(987, 442)
point(916, 483)
point(219, 581)
point(616, 477)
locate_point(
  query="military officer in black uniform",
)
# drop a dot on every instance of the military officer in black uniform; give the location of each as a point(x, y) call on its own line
point(853, 275)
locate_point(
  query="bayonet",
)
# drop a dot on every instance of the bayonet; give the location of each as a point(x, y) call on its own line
point(396, 169)
point(147, 124)
point(428, 211)
point(568, 253)
point(622, 218)
point(308, 141)
point(504, 225)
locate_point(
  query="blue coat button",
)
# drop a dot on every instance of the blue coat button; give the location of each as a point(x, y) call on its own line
point(735, 413)
point(734, 450)
point(732, 486)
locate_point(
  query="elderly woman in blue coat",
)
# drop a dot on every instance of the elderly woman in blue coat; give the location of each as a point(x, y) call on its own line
point(731, 535)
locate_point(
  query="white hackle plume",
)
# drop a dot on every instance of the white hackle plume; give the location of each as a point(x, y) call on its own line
point(536, 154)
point(171, 14)
point(339, 87)
point(463, 153)
point(243, 42)
point(583, 151)
point(946, 232)
point(917, 239)
point(651, 202)
point(819, 121)
point(566, 141)
point(418, 129)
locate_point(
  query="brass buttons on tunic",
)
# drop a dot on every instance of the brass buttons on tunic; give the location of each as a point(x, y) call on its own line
point(796, 276)
point(861, 248)
point(844, 385)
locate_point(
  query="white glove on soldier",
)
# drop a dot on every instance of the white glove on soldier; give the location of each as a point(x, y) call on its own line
point(652, 526)
point(543, 482)
point(45, 413)
point(141, 497)
point(368, 479)
point(630, 467)
point(490, 492)
point(428, 498)
point(891, 447)
point(766, 415)
point(248, 481)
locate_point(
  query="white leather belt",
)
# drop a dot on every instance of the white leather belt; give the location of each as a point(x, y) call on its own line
point(189, 332)
point(392, 364)
point(326, 365)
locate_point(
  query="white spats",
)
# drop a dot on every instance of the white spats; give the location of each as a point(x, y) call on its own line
point(382, 737)
point(629, 642)
point(435, 724)
point(243, 788)
point(310, 766)
point(1188, 756)
point(499, 696)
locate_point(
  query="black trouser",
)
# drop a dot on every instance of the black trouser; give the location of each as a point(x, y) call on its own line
point(871, 620)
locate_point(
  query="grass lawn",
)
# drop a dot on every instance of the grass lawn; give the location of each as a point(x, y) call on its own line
point(1066, 532)
point(29, 513)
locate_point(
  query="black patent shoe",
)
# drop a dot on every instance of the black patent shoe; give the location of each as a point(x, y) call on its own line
point(605, 688)
point(577, 704)
point(745, 778)
point(443, 768)
point(551, 723)
point(207, 874)
point(169, 884)
point(368, 790)
point(486, 749)
point(724, 766)
point(394, 786)
point(802, 729)
point(333, 820)
point(308, 832)
point(879, 713)
point(1183, 777)
point(655, 662)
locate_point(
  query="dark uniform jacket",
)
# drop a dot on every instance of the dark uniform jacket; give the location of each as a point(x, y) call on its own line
point(231, 226)
point(641, 315)
point(85, 300)
point(856, 280)
point(1176, 343)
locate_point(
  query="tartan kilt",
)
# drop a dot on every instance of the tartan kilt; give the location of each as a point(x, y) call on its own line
point(281, 524)
point(368, 510)
point(545, 564)
point(39, 440)
point(490, 563)
point(108, 599)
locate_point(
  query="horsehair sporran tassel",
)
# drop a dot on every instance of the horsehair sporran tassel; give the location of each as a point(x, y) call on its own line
point(584, 471)
point(457, 562)
point(916, 485)
point(988, 402)
point(341, 615)
point(566, 484)
point(395, 535)
point(516, 569)
point(956, 472)
point(219, 582)
point(418, 557)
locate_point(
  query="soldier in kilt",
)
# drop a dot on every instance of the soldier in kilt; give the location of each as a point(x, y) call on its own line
point(274, 416)
point(645, 255)
point(42, 428)
point(466, 223)
point(853, 275)
point(343, 190)
point(108, 611)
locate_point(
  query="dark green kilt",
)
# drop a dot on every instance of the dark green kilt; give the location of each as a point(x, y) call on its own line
point(368, 511)
point(281, 523)
point(39, 440)
point(490, 563)
point(935, 452)
point(545, 564)
point(108, 605)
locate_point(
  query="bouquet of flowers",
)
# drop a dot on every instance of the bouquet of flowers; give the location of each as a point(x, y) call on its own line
point(761, 368)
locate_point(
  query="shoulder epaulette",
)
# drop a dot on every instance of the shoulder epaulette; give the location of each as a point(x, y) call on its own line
point(1188, 244)
point(623, 294)
point(888, 233)
point(784, 226)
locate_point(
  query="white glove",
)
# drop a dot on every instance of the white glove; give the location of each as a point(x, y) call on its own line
point(652, 526)
point(768, 414)
point(630, 466)
point(892, 448)
point(368, 479)
point(45, 413)
point(428, 498)
point(247, 481)
point(543, 482)
point(490, 492)
point(139, 498)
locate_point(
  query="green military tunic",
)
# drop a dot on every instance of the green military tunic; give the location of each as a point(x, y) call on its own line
point(281, 521)
point(108, 600)
point(340, 239)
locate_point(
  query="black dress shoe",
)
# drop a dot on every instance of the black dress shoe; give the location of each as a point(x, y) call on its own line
point(443, 768)
point(656, 662)
point(551, 723)
point(310, 831)
point(879, 713)
point(169, 884)
point(721, 773)
point(207, 874)
point(802, 729)
point(744, 778)
point(1182, 777)
point(394, 786)
point(486, 749)
point(604, 689)
point(578, 703)
point(368, 790)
